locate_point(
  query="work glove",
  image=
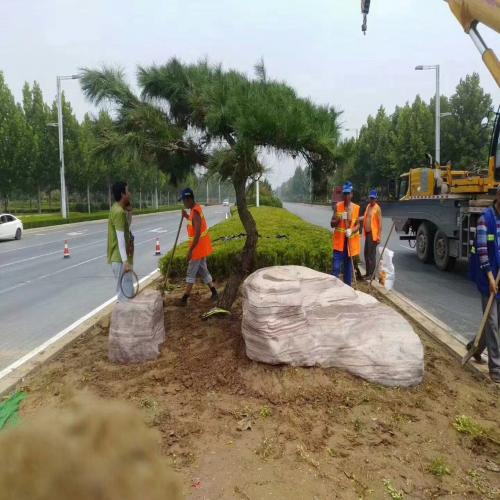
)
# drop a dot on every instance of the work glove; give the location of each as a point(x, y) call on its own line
point(348, 232)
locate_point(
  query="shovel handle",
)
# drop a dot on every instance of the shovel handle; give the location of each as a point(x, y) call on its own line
point(165, 281)
point(381, 254)
point(482, 325)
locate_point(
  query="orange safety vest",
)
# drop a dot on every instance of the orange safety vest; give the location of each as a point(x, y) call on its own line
point(339, 232)
point(375, 222)
point(204, 247)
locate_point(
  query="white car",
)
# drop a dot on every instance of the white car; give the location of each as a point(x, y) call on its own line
point(225, 203)
point(10, 227)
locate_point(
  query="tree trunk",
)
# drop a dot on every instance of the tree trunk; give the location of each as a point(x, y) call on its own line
point(50, 199)
point(39, 199)
point(88, 197)
point(243, 268)
point(140, 199)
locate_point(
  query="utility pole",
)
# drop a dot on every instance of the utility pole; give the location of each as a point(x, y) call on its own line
point(64, 200)
point(257, 194)
point(437, 154)
point(207, 190)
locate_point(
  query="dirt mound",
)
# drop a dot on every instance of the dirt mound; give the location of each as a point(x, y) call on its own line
point(236, 429)
point(93, 449)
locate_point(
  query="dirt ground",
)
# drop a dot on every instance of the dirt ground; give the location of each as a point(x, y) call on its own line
point(236, 429)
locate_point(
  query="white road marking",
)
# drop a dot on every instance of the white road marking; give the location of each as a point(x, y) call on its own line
point(62, 333)
point(60, 240)
point(76, 233)
point(49, 275)
point(47, 254)
point(158, 230)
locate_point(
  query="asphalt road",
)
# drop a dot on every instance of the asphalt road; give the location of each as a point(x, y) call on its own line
point(449, 296)
point(41, 293)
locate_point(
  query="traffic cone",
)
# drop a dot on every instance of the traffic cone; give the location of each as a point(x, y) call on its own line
point(66, 250)
point(157, 248)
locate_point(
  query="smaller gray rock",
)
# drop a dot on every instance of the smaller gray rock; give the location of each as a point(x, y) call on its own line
point(137, 328)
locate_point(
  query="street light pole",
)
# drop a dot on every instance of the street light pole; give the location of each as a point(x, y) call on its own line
point(64, 200)
point(257, 193)
point(437, 155)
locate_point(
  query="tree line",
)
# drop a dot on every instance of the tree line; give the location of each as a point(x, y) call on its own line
point(30, 166)
point(389, 144)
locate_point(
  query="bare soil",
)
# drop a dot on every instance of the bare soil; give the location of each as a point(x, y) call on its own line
point(236, 429)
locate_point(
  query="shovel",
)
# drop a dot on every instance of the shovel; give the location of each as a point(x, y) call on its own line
point(165, 281)
point(482, 325)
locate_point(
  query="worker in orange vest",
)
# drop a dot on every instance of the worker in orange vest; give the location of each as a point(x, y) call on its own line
point(372, 227)
point(346, 238)
point(200, 246)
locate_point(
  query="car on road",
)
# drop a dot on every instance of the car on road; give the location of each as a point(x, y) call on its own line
point(225, 202)
point(10, 227)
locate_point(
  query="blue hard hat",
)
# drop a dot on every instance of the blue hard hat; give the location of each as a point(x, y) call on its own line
point(373, 194)
point(347, 188)
point(186, 193)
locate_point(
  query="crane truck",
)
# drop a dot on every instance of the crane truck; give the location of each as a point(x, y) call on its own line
point(438, 206)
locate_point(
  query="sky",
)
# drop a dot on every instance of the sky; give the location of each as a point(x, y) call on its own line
point(314, 45)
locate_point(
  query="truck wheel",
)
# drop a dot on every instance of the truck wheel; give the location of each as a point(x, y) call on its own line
point(442, 257)
point(425, 243)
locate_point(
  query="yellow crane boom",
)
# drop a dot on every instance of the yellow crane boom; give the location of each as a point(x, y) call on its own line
point(469, 14)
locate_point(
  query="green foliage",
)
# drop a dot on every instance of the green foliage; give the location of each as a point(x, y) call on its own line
point(297, 187)
point(14, 142)
point(466, 140)
point(266, 195)
point(270, 201)
point(265, 411)
point(283, 239)
point(439, 468)
point(392, 492)
point(467, 425)
point(391, 144)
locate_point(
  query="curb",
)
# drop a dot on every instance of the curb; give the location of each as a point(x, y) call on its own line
point(432, 326)
point(101, 317)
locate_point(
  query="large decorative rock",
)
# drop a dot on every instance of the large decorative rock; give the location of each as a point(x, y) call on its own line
point(137, 328)
point(297, 316)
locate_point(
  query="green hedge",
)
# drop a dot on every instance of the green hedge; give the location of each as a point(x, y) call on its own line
point(43, 220)
point(283, 239)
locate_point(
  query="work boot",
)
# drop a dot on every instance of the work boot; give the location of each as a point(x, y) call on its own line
point(495, 377)
point(183, 301)
point(215, 296)
point(477, 355)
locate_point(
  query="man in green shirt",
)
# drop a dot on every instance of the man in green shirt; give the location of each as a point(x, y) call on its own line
point(119, 237)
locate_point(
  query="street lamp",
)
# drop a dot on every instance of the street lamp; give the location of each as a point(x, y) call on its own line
point(64, 201)
point(437, 156)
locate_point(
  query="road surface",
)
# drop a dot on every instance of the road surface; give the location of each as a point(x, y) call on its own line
point(41, 293)
point(449, 296)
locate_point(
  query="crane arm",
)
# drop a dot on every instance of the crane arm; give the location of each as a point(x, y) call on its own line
point(469, 14)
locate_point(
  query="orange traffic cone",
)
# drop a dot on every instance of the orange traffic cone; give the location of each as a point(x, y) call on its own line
point(66, 250)
point(157, 248)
